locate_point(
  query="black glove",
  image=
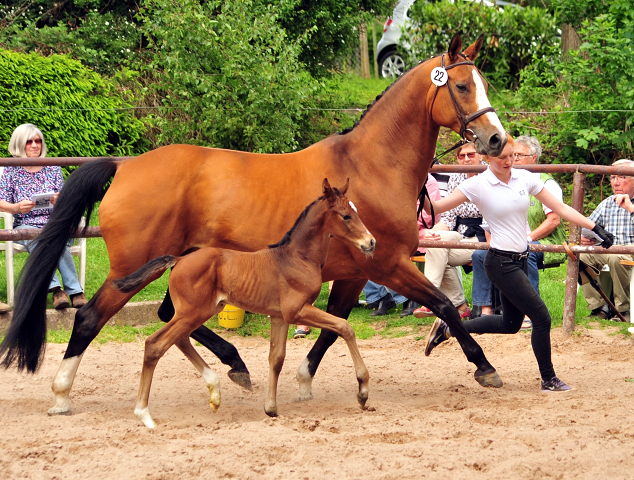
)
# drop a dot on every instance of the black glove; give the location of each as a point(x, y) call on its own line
point(607, 237)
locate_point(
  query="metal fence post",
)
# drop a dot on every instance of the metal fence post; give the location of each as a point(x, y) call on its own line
point(570, 302)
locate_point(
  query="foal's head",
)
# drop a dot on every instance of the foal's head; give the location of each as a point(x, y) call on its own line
point(342, 220)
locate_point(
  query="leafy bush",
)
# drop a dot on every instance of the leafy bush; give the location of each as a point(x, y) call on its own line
point(229, 77)
point(594, 87)
point(512, 36)
point(103, 40)
point(79, 113)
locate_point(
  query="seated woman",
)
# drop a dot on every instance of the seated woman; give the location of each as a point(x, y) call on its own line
point(17, 187)
point(463, 223)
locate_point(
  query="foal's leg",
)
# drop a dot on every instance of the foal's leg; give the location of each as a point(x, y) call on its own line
point(343, 297)
point(314, 317)
point(225, 351)
point(277, 353)
point(155, 347)
point(209, 376)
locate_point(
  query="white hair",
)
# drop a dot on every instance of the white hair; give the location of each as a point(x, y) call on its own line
point(622, 161)
point(532, 144)
point(23, 133)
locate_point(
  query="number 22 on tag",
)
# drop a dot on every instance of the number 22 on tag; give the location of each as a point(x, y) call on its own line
point(439, 76)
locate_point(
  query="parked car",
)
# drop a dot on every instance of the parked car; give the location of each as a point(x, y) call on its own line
point(390, 62)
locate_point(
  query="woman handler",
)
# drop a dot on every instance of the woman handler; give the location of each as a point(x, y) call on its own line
point(502, 195)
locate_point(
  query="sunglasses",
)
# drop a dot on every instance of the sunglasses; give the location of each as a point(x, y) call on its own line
point(37, 141)
point(462, 156)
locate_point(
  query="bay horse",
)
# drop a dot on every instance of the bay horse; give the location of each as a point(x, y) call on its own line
point(179, 198)
point(282, 281)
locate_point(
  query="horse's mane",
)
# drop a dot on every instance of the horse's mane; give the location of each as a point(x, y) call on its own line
point(378, 97)
point(287, 235)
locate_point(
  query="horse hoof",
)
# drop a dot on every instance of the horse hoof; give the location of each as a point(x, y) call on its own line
point(57, 411)
point(271, 412)
point(488, 379)
point(362, 401)
point(241, 378)
point(305, 397)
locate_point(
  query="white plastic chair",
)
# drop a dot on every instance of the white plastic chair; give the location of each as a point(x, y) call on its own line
point(12, 248)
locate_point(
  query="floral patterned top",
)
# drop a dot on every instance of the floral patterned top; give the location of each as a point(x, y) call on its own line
point(16, 184)
point(466, 210)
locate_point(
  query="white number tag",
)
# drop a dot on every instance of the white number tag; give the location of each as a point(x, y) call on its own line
point(439, 76)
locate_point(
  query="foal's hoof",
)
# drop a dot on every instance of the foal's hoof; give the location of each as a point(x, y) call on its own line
point(241, 378)
point(488, 379)
point(362, 401)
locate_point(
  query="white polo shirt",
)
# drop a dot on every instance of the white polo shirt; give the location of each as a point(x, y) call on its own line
point(505, 207)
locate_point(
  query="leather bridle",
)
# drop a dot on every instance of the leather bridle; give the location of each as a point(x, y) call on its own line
point(466, 134)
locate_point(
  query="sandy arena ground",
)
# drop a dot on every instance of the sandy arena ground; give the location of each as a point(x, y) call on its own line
point(430, 418)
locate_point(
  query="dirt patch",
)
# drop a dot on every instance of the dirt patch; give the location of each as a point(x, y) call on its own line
point(430, 418)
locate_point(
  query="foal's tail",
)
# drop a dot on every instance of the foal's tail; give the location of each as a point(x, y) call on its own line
point(25, 341)
point(136, 279)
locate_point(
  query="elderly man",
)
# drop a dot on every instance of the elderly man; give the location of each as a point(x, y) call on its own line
point(615, 214)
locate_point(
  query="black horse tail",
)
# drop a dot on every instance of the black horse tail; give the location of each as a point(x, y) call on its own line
point(25, 341)
point(136, 279)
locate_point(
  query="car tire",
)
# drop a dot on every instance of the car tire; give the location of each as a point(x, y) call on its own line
point(391, 64)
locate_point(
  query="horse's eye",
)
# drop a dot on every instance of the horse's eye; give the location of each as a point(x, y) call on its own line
point(346, 217)
point(461, 87)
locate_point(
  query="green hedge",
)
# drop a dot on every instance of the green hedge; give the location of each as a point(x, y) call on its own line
point(79, 113)
point(512, 36)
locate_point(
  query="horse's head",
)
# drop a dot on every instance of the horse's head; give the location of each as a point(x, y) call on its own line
point(459, 99)
point(343, 220)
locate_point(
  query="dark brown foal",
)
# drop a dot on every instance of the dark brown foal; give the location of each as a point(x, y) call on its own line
point(282, 281)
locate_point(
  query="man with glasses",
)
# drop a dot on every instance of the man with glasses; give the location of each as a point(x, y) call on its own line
point(615, 213)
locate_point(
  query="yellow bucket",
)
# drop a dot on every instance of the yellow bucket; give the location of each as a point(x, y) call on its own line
point(231, 317)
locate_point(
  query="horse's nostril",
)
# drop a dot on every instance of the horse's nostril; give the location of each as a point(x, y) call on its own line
point(494, 141)
point(372, 243)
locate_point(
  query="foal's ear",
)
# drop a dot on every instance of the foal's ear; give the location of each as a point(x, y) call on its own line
point(474, 49)
point(455, 47)
point(327, 188)
point(344, 189)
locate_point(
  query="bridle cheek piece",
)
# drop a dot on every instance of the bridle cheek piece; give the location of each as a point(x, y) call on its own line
point(466, 134)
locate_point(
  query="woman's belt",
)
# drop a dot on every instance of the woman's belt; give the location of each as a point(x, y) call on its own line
point(512, 255)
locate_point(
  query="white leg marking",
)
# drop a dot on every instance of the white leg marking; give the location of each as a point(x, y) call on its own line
point(305, 382)
point(62, 383)
point(213, 384)
point(482, 101)
point(144, 416)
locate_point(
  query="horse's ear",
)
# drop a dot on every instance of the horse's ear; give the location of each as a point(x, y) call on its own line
point(344, 189)
point(474, 49)
point(455, 47)
point(327, 188)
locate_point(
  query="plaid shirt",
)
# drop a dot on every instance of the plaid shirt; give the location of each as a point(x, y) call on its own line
point(616, 220)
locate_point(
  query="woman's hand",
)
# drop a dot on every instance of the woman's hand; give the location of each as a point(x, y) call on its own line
point(54, 198)
point(431, 235)
point(624, 201)
point(25, 206)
